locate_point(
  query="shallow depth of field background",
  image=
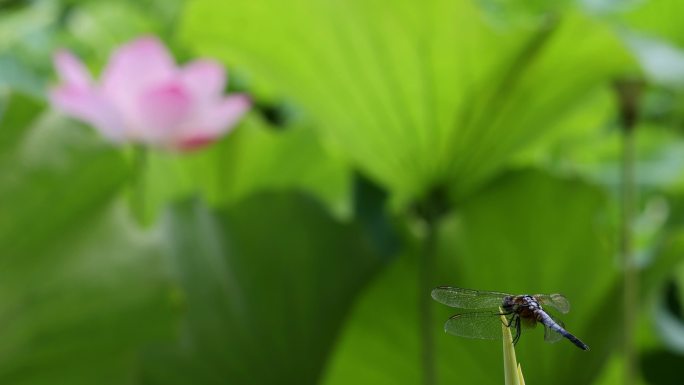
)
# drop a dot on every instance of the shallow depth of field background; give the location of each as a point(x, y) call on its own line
point(393, 146)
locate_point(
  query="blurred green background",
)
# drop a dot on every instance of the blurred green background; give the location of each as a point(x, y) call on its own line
point(394, 146)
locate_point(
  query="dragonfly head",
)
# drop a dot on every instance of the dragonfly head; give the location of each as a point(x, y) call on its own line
point(508, 304)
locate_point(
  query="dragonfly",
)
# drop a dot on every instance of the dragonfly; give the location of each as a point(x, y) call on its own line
point(519, 310)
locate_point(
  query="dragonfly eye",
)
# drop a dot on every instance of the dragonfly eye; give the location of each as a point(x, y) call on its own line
point(508, 305)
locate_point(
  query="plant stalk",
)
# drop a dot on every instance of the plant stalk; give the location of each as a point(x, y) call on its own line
point(430, 210)
point(631, 282)
point(628, 92)
point(138, 185)
point(512, 371)
point(427, 262)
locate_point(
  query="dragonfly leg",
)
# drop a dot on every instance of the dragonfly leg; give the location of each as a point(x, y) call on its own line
point(517, 330)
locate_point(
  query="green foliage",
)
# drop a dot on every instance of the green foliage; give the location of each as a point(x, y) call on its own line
point(248, 161)
point(81, 290)
point(14, 74)
point(273, 255)
point(78, 312)
point(662, 367)
point(265, 295)
point(36, 203)
point(414, 97)
point(658, 19)
point(17, 111)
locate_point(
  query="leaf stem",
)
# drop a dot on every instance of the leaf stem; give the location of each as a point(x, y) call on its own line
point(430, 210)
point(427, 260)
point(629, 267)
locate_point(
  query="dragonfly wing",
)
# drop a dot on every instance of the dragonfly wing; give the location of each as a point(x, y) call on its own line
point(556, 301)
point(551, 335)
point(481, 325)
point(466, 298)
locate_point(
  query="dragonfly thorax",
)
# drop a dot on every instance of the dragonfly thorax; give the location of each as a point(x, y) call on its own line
point(520, 304)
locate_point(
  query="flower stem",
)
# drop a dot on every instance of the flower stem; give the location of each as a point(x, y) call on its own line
point(138, 185)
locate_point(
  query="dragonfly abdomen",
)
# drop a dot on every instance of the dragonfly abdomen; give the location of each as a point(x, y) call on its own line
point(547, 320)
point(553, 325)
point(574, 339)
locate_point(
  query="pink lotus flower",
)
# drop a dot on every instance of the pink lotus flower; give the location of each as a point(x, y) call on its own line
point(144, 98)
